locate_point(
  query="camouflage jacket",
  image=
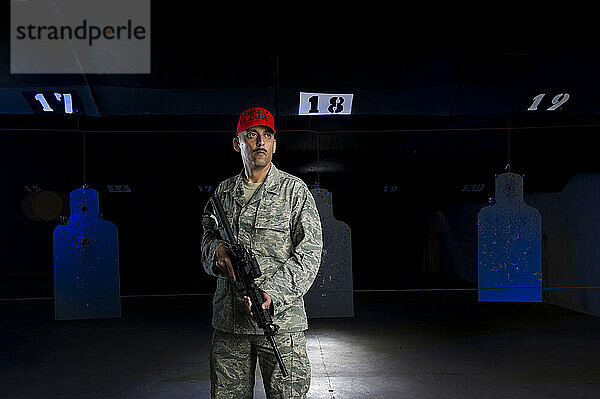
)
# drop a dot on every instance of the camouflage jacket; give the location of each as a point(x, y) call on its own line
point(281, 226)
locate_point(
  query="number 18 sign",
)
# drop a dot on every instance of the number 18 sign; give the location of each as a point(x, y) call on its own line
point(325, 104)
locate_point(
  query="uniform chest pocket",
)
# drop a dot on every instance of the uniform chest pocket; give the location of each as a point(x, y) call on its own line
point(272, 234)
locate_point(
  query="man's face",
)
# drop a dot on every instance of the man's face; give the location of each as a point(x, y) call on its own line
point(256, 145)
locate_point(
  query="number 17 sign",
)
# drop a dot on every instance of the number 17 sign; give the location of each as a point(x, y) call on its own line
point(325, 104)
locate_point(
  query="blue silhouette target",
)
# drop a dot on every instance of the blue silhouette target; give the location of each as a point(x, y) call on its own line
point(86, 262)
point(509, 245)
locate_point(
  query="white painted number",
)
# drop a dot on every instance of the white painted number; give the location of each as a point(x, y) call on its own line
point(475, 188)
point(536, 101)
point(119, 188)
point(45, 106)
point(557, 101)
point(66, 98)
point(33, 188)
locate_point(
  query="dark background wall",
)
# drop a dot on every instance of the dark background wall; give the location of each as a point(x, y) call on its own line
point(428, 118)
point(386, 186)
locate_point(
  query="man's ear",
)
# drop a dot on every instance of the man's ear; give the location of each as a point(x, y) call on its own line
point(236, 144)
point(274, 145)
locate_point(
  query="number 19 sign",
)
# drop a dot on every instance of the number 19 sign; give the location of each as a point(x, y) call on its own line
point(325, 104)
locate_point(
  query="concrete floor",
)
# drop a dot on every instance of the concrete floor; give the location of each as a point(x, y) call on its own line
point(433, 344)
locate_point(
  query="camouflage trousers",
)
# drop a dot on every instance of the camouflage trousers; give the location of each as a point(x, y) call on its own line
point(233, 360)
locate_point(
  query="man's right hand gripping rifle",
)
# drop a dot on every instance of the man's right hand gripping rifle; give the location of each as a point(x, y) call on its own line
point(239, 264)
point(222, 262)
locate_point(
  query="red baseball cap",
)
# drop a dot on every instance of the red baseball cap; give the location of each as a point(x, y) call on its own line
point(255, 116)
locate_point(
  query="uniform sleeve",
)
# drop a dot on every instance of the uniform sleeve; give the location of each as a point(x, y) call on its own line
point(211, 240)
point(294, 278)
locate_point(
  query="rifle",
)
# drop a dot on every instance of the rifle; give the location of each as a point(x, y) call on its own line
point(246, 271)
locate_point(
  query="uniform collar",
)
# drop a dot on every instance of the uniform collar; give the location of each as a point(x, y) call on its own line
point(271, 185)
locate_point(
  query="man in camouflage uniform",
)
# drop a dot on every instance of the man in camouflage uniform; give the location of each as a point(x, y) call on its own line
point(273, 214)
